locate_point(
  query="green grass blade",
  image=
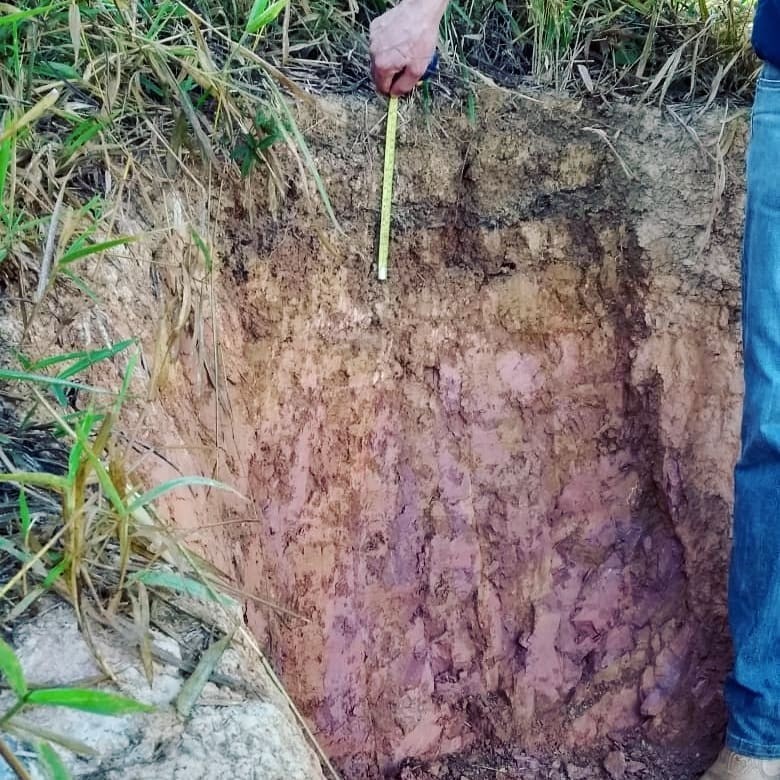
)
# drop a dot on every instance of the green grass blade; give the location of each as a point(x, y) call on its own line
point(24, 514)
point(53, 70)
point(55, 573)
point(85, 426)
point(175, 484)
point(12, 669)
point(98, 356)
point(196, 682)
point(258, 7)
point(41, 379)
point(37, 478)
point(89, 356)
point(204, 249)
point(164, 12)
point(8, 547)
point(76, 451)
point(52, 360)
point(455, 6)
point(262, 18)
point(5, 166)
point(24, 729)
point(81, 135)
point(155, 578)
point(24, 604)
point(105, 480)
point(92, 249)
point(81, 284)
point(23, 16)
point(125, 389)
point(311, 165)
point(97, 702)
point(52, 763)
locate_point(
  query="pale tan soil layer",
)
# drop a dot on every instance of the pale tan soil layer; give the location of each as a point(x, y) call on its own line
point(498, 485)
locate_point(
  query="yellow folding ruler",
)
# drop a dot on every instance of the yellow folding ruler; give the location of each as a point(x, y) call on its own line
point(387, 189)
point(386, 214)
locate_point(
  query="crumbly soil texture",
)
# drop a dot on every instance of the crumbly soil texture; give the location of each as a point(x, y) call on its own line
point(626, 760)
point(495, 489)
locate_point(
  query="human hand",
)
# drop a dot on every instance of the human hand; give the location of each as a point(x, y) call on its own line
point(403, 41)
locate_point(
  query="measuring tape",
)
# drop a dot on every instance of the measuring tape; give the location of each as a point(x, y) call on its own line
point(387, 189)
point(386, 212)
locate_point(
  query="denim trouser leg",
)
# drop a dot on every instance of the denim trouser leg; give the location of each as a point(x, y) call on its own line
point(753, 689)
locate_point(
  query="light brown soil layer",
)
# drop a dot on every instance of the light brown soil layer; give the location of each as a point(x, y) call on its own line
point(499, 484)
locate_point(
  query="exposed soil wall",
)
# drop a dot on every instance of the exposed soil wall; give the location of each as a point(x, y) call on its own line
point(498, 485)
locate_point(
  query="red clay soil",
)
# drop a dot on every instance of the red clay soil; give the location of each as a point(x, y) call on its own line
point(498, 485)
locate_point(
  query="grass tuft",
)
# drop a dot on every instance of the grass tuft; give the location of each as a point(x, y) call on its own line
point(614, 48)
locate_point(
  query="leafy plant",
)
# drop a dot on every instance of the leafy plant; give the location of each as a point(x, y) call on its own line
point(86, 527)
point(100, 547)
point(265, 132)
point(76, 363)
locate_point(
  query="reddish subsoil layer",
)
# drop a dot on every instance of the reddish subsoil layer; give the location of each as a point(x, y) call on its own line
point(499, 485)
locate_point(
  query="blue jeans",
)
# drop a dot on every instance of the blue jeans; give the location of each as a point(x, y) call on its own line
point(753, 689)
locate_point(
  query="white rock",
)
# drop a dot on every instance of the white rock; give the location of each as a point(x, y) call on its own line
point(242, 739)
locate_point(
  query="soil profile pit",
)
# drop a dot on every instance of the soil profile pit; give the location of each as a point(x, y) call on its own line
point(499, 484)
